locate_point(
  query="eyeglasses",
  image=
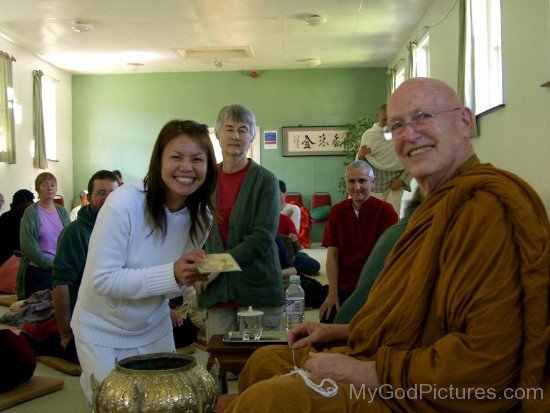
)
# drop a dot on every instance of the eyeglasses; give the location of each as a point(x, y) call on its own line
point(102, 193)
point(418, 119)
point(241, 133)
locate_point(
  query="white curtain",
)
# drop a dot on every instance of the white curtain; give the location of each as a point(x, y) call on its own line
point(7, 129)
point(466, 55)
point(411, 65)
point(391, 81)
point(466, 58)
point(40, 161)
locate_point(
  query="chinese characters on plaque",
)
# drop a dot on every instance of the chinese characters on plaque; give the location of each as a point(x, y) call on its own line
point(313, 140)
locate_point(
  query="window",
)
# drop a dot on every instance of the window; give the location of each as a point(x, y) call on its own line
point(399, 76)
point(422, 58)
point(215, 144)
point(49, 112)
point(486, 27)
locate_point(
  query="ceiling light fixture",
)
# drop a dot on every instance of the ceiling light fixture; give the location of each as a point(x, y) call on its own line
point(82, 26)
point(217, 62)
point(312, 62)
point(315, 20)
point(132, 67)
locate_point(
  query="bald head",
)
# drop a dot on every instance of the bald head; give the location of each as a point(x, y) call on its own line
point(434, 138)
point(439, 93)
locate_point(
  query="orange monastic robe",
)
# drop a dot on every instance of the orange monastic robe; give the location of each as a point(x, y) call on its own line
point(460, 308)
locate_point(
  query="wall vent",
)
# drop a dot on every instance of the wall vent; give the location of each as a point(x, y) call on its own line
point(215, 52)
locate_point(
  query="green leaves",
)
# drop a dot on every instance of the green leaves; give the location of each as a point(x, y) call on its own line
point(351, 143)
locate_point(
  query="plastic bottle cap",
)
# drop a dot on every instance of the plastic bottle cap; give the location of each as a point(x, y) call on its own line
point(295, 278)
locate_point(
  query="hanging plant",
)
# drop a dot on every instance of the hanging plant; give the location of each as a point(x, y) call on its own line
point(350, 144)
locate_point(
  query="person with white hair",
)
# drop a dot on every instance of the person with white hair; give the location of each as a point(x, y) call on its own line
point(83, 201)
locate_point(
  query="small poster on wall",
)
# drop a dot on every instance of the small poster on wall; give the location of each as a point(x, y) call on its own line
point(270, 139)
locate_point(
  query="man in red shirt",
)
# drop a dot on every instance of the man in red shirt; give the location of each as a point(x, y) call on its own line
point(352, 228)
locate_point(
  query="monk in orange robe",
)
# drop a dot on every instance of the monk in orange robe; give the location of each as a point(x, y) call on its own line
point(458, 320)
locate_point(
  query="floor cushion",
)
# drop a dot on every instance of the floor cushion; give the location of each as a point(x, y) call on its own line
point(35, 387)
point(8, 299)
point(320, 213)
point(60, 364)
point(8, 275)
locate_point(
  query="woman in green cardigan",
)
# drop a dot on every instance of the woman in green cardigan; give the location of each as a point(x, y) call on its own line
point(40, 227)
point(248, 208)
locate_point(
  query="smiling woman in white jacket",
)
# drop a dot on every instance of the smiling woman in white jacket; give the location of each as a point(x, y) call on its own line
point(143, 250)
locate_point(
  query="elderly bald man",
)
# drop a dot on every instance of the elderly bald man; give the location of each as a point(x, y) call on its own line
point(458, 319)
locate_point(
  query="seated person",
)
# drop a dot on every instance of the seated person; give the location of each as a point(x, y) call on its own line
point(40, 227)
point(118, 175)
point(287, 269)
point(458, 318)
point(375, 263)
point(69, 263)
point(10, 223)
point(314, 291)
point(290, 210)
point(17, 360)
point(187, 318)
point(352, 228)
point(304, 263)
point(83, 196)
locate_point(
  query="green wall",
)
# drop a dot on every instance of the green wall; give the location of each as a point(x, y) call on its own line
point(116, 118)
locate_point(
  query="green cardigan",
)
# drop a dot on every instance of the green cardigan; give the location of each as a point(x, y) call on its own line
point(30, 225)
point(251, 241)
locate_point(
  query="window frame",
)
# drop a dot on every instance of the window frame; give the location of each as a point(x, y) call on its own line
point(488, 67)
point(423, 56)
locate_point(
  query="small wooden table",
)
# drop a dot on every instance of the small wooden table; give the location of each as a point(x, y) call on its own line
point(231, 356)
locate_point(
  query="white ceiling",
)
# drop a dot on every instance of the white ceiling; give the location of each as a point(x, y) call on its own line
point(358, 33)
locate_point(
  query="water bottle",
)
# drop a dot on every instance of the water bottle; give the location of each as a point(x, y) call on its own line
point(294, 304)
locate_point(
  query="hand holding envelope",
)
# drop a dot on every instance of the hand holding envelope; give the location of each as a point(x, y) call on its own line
point(212, 266)
point(218, 263)
point(186, 267)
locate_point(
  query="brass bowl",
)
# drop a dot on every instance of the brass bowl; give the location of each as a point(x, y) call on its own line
point(159, 382)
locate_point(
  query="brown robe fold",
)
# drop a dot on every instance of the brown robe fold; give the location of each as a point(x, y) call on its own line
point(461, 306)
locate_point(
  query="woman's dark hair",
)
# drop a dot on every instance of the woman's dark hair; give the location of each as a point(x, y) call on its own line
point(282, 186)
point(200, 201)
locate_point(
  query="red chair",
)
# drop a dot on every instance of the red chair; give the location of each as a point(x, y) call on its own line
point(59, 200)
point(319, 199)
point(294, 196)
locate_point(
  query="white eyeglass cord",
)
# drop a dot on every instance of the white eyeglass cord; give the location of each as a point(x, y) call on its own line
point(329, 391)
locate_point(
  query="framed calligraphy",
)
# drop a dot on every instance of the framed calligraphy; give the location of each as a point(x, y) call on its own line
point(313, 140)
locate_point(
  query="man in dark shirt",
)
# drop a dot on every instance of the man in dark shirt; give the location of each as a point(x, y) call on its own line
point(70, 260)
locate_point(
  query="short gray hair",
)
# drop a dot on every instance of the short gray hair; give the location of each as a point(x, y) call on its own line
point(361, 164)
point(83, 193)
point(238, 113)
